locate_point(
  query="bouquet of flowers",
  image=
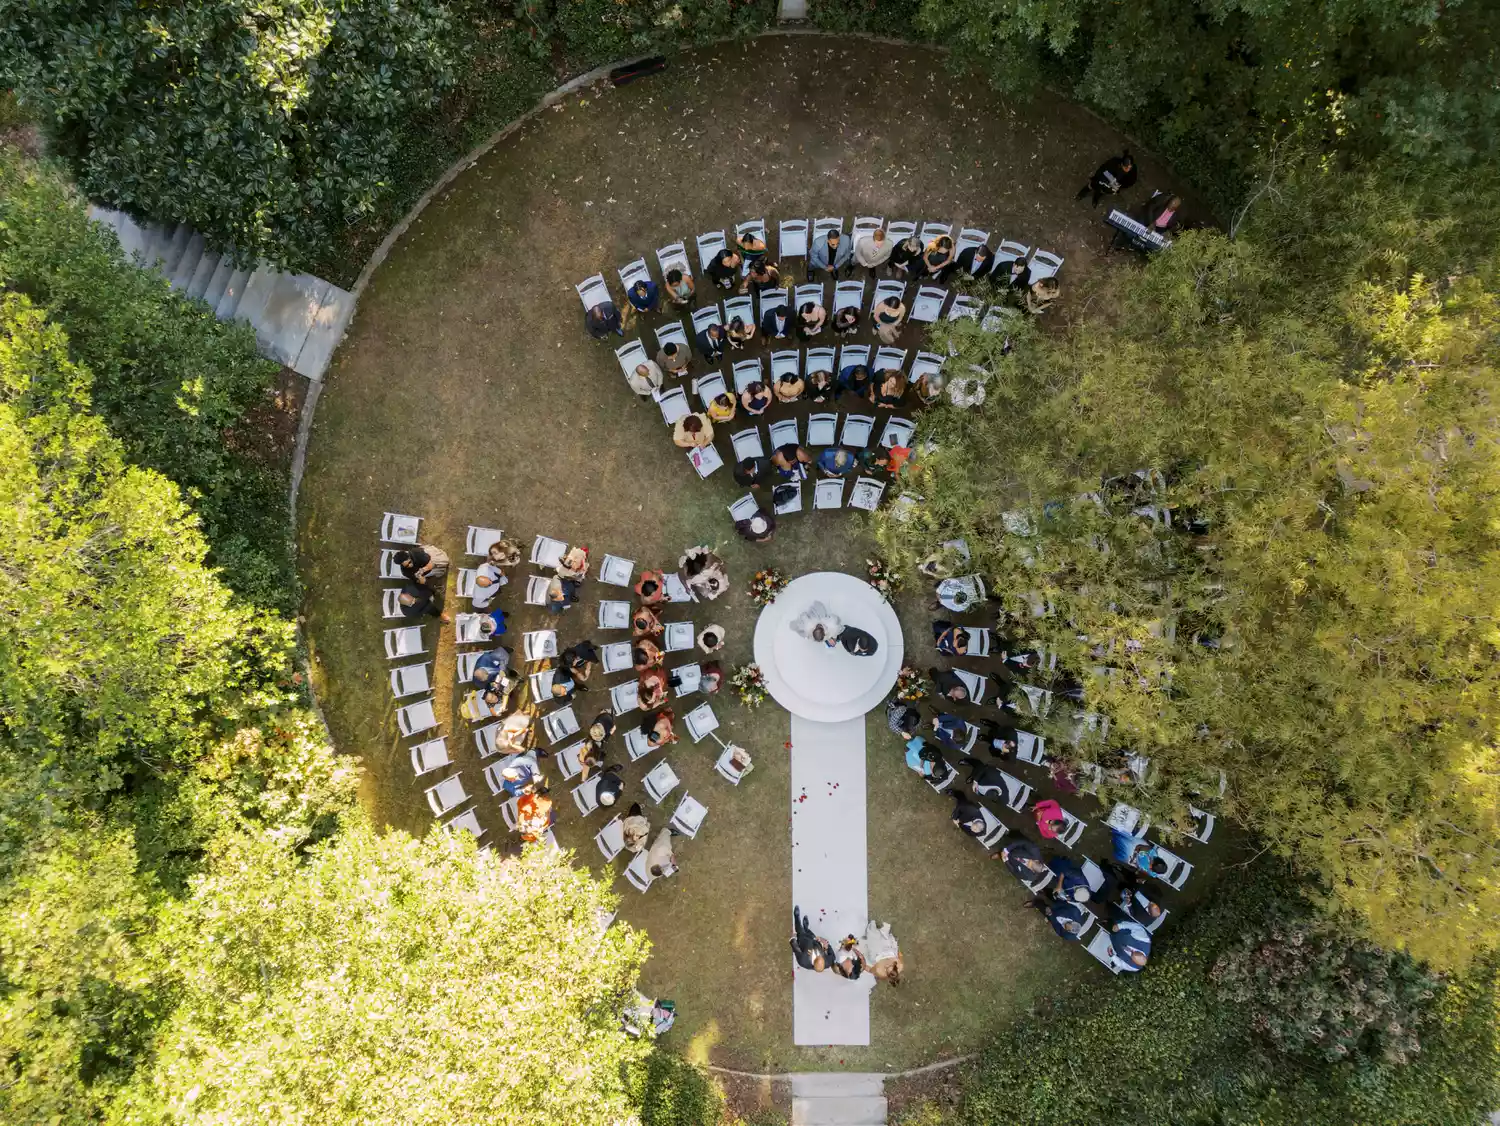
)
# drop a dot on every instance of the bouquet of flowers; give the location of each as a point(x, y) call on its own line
point(750, 683)
point(765, 586)
point(909, 686)
point(885, 581)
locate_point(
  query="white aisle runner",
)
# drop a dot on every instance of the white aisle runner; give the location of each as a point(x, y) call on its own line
point(830, 876)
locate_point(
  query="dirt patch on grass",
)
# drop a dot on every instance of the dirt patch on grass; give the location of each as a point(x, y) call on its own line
point(468, 393)
point(268, 430)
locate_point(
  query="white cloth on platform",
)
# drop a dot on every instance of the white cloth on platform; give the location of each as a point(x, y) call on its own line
point(806, 623)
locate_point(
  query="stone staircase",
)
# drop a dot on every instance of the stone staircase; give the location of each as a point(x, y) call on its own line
point(298, 319)
point(832, 1098)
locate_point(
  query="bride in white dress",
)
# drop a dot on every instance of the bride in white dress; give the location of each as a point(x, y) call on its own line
point(818, 623)
point(882, 955)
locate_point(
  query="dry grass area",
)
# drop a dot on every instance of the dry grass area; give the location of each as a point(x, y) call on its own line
point(467, 392)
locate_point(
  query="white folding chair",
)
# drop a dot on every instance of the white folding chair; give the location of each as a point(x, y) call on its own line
point(998, 316)
point(1017, 793)
point(1100, 946)
point(477, 540)
point(593, 291)
point(671, 333)
point(674, 405)
point(706, 316)
point(390, 602)
point(560, 724)
point(741, 307)
point(568, 764)
point(1006, 253)
point(586, 797)
point(709, 387)
point(928, 305)
point(637, 746)
point(726, 768)
point(633, 272)
point(771, 299)
point(1031, 748)
point(630, 355)
point(747, 444)
point(897, 432)
point(888, 358)
point(510, 808)
point(812, 291)
point(755, 227)
point(947, 779)
point(791, 240)
point(614, 615)
point(473, 708)
point(821, 227)
point(899, 230)
point(611, 838)
point(849, 295)
point(539, 644)
point(701, 721)
point(614, 657)
point(1072, 829)
point(931, 231)
point(416, 718)
point(884, 290)
point(1179, 869)
point(994, 829)
point(389, 568)
point(968, 238)
point(396, 528)
point(790, 493)
point(746, 372)
point(709, 245)
point(851, 355)
point(485, 739)
point(466, 629)
point(466, 822)
point(965, 306)
point(787, 361)
point(688, 818)
point(464, 587)
point(688, 679)
point(660, 781)
point(677, 636)
point(1203, 824)
point(979, 641)
point(926, 363)
point(1038, 699)
point(821, 429)
point(547, 552)
point(866, 225)
point(409, 680)
point(866, 494)
point(540, 684)
point(784, 433)
point(744, 508)
point(1044, 264)
point(976, 684)
point(677, 590)
point(673, 255)
point(625, 697)
point(819, 359)
point(446, 795)
point(829, 494)
point(616, 571)
point(429, 756)
point(704, 460)
point(405, 641)
point(638, 874)
point(857, 427)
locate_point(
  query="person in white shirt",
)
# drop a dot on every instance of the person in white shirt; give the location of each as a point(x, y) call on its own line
point(645, 379)
point(872, 250)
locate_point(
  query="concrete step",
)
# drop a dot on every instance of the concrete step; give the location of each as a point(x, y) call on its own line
point(233, 292)
point(187, 264)
point(197, 285)
point(843, 1110)
point(831, 1084)
point(327, 329)
point(218, 283)
point(181, 235)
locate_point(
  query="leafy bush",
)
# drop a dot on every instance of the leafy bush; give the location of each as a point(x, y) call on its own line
point(669, 1091)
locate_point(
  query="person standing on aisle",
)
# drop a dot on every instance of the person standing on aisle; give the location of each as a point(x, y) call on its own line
point(1110, 178)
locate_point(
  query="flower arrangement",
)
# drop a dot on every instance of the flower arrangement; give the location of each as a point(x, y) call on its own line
point(750, 683)
point(909, 686)
point(765, 586)
point(885, 581)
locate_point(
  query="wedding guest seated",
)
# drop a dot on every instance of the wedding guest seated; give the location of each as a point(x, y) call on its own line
point(751, 247)
point(590, 760)
point(789, 387)
point(756, 398)
point(602, 320)
point(751, 472)
point(491, 666)
point(601, 728)
point(518, 777)
point(416, 601)
point(636, 828)
point(673, 357)
point(951, 640)
point(1069, 920)
point(949, 685)
point(758, 527)
point(1018, 276)
point(938, 256)
point(579, 660)
point(651, 588)
point(491, 625)
point(975, 262)
point(645, 623)
point(644, 654)
point(562, 594)
point(930, 387)
point(724, 267)
point(790, 462)
point(821, 387)
point(1001, 741)
point(1021, 661)
point(740, 333)
point(776, 322)
point(1139, 853)
point(831, 255)
point(1024, 859)
point(564, 687)
point(1050, 821)
point(952, 730)
point(515, 731)
point(711, 639)
point(660, 860)
point(873, 460)
point(846, 321)
point(906, 258)
point(657, 728)
point(679, 288)
point(1041, 295)
point(1131, 944)
point(645, 380)
point(901, 717)
point(837, 462)
point(643, 297)
point(534, 814)
point(810, 318)
point(488, 579)
point(926, 761)
point(611, 786)
point(652, 690)
point(1071, 882)
point(888, 317)
point(692, 432)
point(967, 815)
point(712, 342)
point(762, 276)
point(426, 565)
point(872, 250)
point(574, 564)
point(710, 680)
point(1004, 691)
point(854, 380)
point(721, 408)
point(703, 572)
point(890, 389)
point(504, 553)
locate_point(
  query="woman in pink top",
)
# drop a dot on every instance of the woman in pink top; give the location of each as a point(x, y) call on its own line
point(1049, 819)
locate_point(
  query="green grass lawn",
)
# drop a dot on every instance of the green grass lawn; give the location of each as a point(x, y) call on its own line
point(467, 392)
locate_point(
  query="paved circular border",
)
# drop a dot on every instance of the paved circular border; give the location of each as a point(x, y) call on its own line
point(856, 602)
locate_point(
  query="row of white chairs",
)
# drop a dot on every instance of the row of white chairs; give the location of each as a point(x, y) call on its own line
point(865, 495)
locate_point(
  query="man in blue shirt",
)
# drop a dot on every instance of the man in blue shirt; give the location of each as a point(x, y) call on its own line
point(835, 462)
point(641, 298)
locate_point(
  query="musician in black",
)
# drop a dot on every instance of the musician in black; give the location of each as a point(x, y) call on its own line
point(1113, 176)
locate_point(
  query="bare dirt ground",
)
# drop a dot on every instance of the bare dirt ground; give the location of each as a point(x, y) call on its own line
point(467, 392)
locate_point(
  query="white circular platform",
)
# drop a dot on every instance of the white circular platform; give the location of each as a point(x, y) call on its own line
point(809, 679)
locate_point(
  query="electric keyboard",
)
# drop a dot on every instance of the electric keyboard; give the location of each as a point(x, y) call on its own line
point(1138, 234)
